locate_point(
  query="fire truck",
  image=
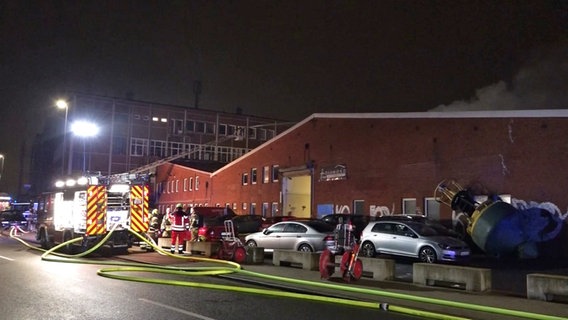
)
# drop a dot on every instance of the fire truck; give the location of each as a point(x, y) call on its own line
point(90, 207)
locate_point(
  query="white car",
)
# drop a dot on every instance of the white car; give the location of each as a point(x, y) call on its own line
point(411, 239)
point(301, 235)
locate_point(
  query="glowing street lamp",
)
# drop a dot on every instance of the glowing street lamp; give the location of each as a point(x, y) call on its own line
point(62, 104)
point(2, 166)
point(84, 129)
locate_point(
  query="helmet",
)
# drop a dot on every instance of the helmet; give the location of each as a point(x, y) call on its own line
point(179, 205)
point(155, 212)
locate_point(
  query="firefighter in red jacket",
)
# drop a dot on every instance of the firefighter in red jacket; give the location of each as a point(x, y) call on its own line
point(180, 225)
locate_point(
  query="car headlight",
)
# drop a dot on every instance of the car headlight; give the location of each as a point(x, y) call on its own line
point(444, 246)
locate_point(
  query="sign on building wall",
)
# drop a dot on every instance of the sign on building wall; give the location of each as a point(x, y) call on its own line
point(332, 173)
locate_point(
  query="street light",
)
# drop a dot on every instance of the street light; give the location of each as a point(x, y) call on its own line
point(84, 129)
point(2, 166)
point(62, 104)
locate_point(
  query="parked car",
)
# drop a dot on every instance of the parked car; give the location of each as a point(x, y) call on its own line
point(411, 239)
point(358, 220)
point(13, 217)
point(211, 222)
point(422, 218)
point(301, 235)
point(268, 221)
point(247, 223)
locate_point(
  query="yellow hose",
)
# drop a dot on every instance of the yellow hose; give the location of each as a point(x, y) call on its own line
point(232, 267)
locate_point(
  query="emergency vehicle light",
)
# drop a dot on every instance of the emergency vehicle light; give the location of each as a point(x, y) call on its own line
point(82, 181)
point(59, 184)
point(70, 182)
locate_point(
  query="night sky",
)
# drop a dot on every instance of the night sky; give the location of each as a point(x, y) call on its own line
point(282, 59)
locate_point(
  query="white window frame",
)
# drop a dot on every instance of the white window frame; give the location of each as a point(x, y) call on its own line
point(253, 175)
point(138, 147)
point(405, 205)
point(274, 172)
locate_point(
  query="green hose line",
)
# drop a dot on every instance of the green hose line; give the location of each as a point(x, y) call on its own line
point(228, 267)
point(453, 304)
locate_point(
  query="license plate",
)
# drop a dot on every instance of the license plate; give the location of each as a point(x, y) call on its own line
point(465, 253)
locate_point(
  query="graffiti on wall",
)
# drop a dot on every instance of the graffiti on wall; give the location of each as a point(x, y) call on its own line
point(342, 208)
point(380, 211)
point(374, 210)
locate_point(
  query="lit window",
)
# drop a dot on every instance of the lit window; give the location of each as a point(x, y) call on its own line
point(266, 174)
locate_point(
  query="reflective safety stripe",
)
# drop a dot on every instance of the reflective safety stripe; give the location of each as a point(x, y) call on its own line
point(139, 210)
point(96, 210)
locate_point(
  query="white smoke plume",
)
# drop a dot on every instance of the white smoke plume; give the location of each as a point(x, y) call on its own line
point(542, 83)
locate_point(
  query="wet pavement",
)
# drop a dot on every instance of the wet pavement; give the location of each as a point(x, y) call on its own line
point(506, 300)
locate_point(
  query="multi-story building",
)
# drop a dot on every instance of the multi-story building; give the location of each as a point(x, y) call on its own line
point(133, 133)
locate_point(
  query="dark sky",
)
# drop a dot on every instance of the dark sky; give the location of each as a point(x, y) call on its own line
point(283, 59)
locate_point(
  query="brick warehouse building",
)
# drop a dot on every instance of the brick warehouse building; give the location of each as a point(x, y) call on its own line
point(382, 164)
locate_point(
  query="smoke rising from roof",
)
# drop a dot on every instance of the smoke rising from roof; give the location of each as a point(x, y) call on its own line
point(541, 83)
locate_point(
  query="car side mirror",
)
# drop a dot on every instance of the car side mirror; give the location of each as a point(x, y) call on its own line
point(266, 231)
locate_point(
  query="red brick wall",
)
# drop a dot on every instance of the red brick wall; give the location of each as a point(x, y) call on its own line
point(395, 158)
point(390, 159)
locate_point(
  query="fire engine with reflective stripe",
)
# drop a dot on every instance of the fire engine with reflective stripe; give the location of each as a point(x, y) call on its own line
point(92, 208)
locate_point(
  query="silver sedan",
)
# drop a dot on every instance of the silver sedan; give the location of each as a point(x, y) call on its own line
point(301, 235)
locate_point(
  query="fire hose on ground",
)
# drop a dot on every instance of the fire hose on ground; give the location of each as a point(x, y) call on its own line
point(229, 267)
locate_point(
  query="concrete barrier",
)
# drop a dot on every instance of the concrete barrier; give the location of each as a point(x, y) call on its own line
point(375, 268)
point(165, 243)
point(547, 287)
point(452, 276)
point(308, 260)
point(206, 248)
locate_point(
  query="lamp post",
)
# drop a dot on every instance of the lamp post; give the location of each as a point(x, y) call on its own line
point(62, 104)
point(84, 129)
point(1, 166)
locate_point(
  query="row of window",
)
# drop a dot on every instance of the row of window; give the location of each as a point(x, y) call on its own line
point(143, 147)
point(269, 174)
point(207, 127)
point(266, 210)
point(173, 186)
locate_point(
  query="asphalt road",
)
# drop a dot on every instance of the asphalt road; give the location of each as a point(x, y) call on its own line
point(35, 289)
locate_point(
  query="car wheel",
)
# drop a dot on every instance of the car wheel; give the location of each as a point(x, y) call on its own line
point(368, 249)
point(305, 248)
point(428, 255)
point(251, 243)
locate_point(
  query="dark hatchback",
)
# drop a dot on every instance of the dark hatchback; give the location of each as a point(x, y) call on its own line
point(247, 223)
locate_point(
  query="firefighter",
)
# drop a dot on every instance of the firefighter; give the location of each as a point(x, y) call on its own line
point(154, 228)
point(166, 225)
point(180, 225)
point(194, 225)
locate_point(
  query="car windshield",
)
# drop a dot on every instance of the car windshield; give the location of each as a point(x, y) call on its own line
point(424, 230)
